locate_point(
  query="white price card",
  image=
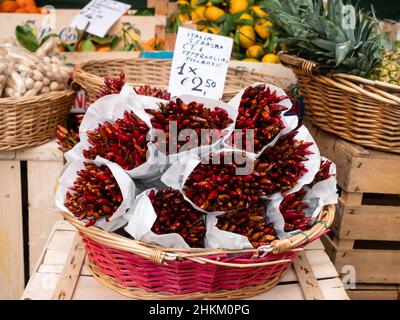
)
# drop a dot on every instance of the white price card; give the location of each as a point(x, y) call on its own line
point(200, 64)
point(98, 16)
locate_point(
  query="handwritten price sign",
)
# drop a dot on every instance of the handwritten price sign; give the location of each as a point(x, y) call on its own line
point(200, 64)
point(98, 16)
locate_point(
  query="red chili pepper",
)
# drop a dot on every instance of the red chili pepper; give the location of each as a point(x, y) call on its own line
point(175, 215)
point(95, 194)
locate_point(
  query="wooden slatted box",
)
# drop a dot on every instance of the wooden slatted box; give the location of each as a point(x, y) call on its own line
point(366, 230)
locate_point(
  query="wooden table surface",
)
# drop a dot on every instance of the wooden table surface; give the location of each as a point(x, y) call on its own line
point(321, 283)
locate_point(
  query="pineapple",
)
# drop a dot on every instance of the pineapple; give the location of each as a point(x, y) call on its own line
point(389, 70)
point(344, 40)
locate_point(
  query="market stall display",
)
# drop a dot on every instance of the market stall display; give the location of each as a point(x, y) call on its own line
point(220, 225)
point(207, 185)
point(349, 80)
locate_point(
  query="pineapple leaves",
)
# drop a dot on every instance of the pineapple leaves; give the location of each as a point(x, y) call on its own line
point(338, 36)
point(341, 51)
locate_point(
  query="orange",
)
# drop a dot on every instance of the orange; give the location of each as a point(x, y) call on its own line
point(26, 3)
point(31, 9)
point(104, 49)
point(156, 43)
point(256, 51)
point(238, 6)
point(8, 6)
point(270, 58)
point(146, 46)
point(213, 13)
point(247, 36)
point(21, 10)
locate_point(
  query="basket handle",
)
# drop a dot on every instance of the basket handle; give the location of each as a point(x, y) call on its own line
point(307, 66)
point(163, 255)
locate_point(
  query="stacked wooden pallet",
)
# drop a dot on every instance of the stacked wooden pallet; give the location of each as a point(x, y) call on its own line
point(27, 211)
point(365, 240)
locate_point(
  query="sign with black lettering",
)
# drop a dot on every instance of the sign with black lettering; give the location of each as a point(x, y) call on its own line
point(98, 16)
point(200, 64)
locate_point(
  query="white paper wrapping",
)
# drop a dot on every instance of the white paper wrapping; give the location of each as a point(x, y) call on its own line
point(290, 122)
point(110, 108)
point(125, 183)
point(177, 174)
point(312, 164)
point(320, 195)
point(231, 109)
point(220, 239)
point(141, 219)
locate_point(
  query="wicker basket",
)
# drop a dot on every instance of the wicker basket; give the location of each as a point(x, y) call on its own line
point(356, 109)
point(156, 72)
point(31, 121)
point(143, 271)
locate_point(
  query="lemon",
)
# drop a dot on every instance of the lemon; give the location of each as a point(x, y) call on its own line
point(250, 60)
point(258, 11)
point(183, 2)
point(195, 17)
point(262, 28)
point(183, 17)
point(209, 4)
point(211, 30)
point(238, 5)
point(255, 51)
point(198, 13)
point(213, 13)
point(200, 10)
point(246, 16)
point(270, 58)
point(247, 36)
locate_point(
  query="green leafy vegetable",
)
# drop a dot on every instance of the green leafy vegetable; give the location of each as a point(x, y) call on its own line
point(101, 41)
point(88, 46)
point(26, 38)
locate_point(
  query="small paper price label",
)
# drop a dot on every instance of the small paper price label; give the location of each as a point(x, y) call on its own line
point(200, 64)
point(98, 16)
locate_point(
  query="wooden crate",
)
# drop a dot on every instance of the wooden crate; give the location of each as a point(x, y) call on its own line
point(374, 261)
point(365, 291)
point(360, 170)
point(62, 274)
point(27, 211)
point(365, 232)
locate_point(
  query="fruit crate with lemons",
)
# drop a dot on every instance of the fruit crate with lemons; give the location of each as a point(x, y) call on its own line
point(243, 20)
